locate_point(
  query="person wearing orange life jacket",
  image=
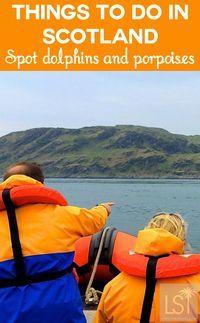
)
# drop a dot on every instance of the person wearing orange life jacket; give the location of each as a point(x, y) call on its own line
point(38, 230)
point(131, 298)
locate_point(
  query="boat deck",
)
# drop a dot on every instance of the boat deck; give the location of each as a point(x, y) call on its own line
point(89, 315)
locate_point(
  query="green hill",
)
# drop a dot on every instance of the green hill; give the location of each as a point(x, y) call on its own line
point(120, 151)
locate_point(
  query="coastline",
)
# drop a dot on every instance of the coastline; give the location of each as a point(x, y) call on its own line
point(124, 178)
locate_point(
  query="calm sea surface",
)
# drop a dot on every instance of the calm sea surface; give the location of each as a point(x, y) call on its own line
point(137, 200)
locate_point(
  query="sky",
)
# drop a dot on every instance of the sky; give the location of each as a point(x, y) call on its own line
point(169, 100)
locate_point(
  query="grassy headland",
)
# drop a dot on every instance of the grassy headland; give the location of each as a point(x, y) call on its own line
point(104, 152)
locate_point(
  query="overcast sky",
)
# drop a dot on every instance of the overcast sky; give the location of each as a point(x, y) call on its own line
point(73, 100)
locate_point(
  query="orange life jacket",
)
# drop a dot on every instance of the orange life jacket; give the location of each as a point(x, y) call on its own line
point(118, 253)
point(10, 199)
point(86, 250)
point(32, 194)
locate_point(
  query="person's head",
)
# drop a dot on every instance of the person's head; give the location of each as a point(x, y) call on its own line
point(32, 170)
point(172, 223)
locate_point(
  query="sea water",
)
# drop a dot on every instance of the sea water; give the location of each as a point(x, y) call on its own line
point(137, 200)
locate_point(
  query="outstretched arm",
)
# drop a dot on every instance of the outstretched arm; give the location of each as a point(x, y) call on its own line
point(87, 222)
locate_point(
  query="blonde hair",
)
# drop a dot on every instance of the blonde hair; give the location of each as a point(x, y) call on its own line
point(173, 223)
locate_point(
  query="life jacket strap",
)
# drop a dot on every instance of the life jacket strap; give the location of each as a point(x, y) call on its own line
point(21, 278)
point(38, 278)
point(14, 234)
point(150, 290)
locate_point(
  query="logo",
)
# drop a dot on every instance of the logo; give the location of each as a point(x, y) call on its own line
point(178, 303)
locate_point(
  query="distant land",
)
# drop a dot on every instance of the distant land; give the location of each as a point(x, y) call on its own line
point(104, 152)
